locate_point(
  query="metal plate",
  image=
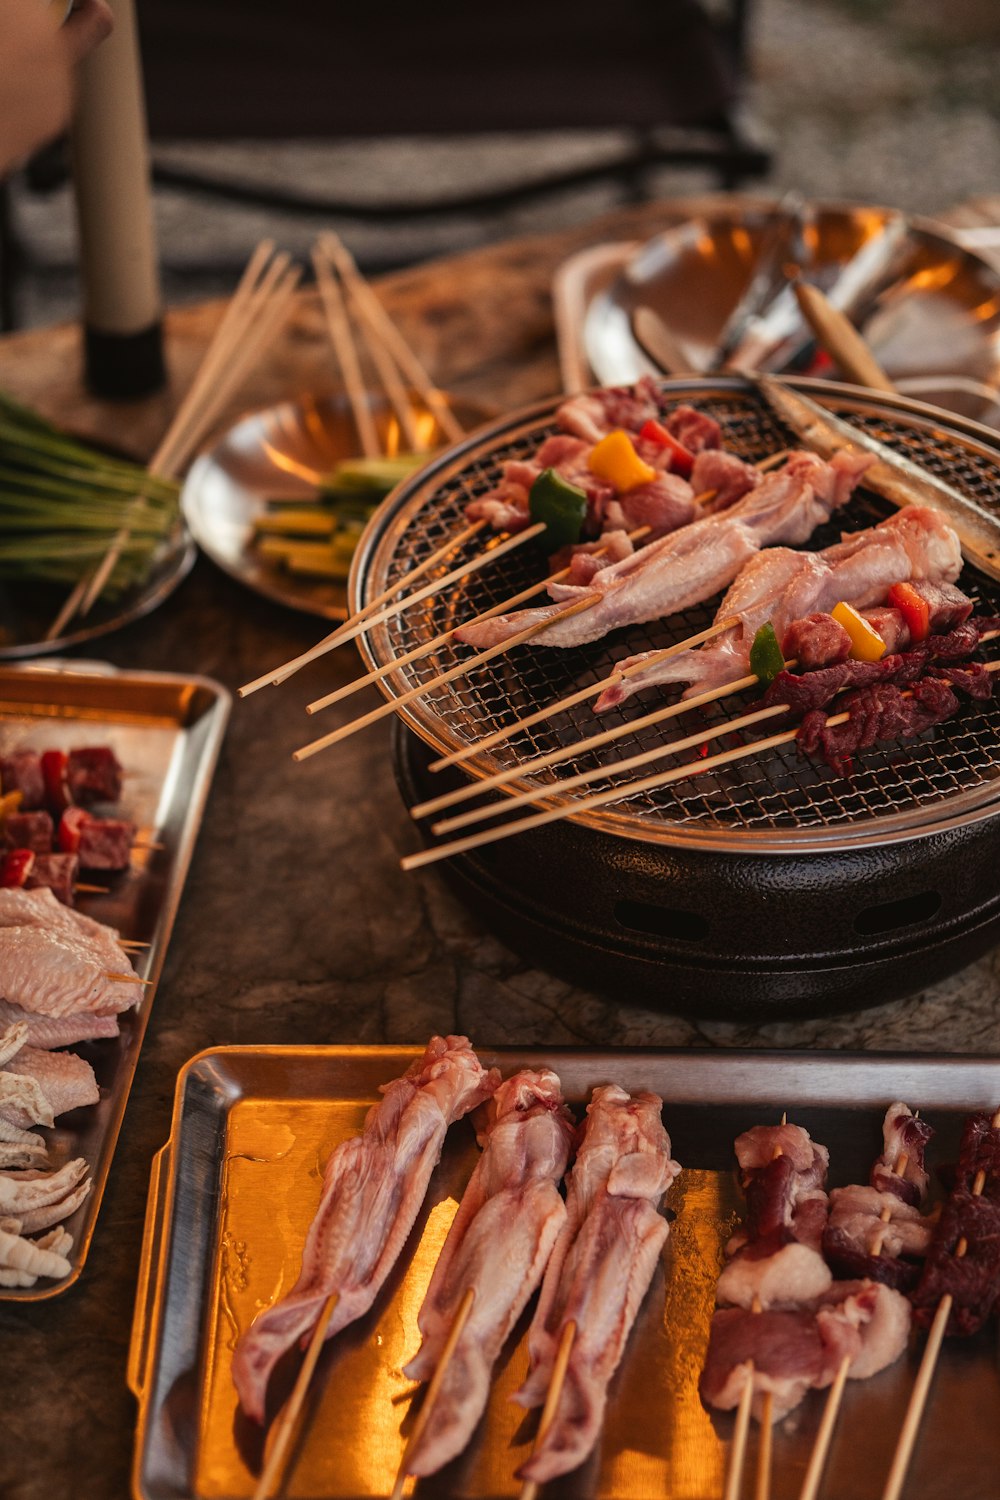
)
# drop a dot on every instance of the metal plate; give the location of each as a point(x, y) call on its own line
point(283, 453)
point(940, 319)
point(166, 731)
point(27, 611)
point(236, 1188)
point(779, 802)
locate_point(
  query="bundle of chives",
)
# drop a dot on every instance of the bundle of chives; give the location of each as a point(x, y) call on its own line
point(62, 503)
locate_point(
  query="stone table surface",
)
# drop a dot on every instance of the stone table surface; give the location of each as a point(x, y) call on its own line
point(296, 923)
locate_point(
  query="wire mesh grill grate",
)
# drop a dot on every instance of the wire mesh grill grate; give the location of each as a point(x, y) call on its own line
point(776, 793)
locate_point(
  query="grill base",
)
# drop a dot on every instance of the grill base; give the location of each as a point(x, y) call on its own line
point(734, 936)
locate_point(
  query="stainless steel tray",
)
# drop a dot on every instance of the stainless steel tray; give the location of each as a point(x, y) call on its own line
point(166, 731)
point(234, 1190)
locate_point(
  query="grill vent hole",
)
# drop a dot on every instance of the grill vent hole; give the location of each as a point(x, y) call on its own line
point(662, 921)
point(893, 914)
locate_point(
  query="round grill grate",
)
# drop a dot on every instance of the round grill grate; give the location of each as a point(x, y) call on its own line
point(777, 801)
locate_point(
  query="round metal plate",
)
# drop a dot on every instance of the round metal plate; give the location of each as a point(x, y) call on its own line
point(282, 453)
point(936, 330)
point(26, 613)
point(779, 802)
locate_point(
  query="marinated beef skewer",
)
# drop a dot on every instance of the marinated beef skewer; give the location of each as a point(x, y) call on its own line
point(853, 675)
point(884, 711)
point(498, 1246)
point(599, 1271)
point(811, 639)
point(373, 1187)
point(958, 1292)
point(897, 1175)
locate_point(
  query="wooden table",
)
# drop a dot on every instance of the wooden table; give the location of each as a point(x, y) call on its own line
point(296, 924)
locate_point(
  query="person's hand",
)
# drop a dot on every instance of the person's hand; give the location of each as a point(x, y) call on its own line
point(36, 90)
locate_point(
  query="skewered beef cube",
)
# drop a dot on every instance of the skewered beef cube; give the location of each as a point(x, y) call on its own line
point(106, 844)
point(94, 774)
point(56, 871)
point(29, 830)
point(972, 1279)
point(21, 771)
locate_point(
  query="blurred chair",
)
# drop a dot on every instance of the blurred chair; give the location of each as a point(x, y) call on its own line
point(669, 72)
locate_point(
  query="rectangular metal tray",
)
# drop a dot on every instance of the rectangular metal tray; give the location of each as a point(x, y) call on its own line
point(166, 731)
point(233, 1191)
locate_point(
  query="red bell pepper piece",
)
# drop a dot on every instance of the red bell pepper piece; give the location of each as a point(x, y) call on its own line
point(71, 826)
point(16, 866)
point(681, 458)
point(54, 764)
point(914, 609)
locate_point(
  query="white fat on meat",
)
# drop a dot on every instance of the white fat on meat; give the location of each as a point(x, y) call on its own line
point(795, 1273)
point(599, 1271)
point(38, 1086)
point(879, 1314)
point(57, 973)
point(48, 1032)
point(857, 1211)
point(499, 1244)
point(902, 1135)
point(783, 586)
point(373, 1187)
point(761, 1144)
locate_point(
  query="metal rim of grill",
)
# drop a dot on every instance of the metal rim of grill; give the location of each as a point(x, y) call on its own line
point(777, 802)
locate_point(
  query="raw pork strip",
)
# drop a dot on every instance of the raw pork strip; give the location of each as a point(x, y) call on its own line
point(784, 586)
point(690, 564)
point(599, 1271)
point(499, 1243)
point(373, 1187)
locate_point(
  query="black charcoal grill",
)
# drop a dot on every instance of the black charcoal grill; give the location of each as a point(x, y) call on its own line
point(769, 887)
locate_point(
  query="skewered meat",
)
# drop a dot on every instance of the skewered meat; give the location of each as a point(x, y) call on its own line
point(973, 1279)
point(499, 1243)
point(21, 771)
point(881, 1316)
point(903, 1135)
point(818, 640)
point(856, 1224)
point(373, 1187)
point(599, 1271)
point(94, 774)
point(593, 414)
point(783, 586)
point(979, 1151)
point(690, 564)
point(56, 973)
point(772, 1274)
point(22, 908)
point(725, 474)
point(29, 830)
point(782, 1351)
point(56, 873)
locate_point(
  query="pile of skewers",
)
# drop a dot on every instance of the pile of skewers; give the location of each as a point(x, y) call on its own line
point(649, 514)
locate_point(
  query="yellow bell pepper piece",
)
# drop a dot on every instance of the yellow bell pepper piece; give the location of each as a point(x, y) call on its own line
point(10, 803)
point(616, 461)
point(866, 643)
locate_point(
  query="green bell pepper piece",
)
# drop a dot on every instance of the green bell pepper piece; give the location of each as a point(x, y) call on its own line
point(766, 658)
point(560, 506)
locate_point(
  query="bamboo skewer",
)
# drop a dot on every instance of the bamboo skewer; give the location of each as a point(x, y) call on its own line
point(221, 369)
point(921, 1388)
point(564, 704)
point(434, 1389)
point(286, 1423)
point(370, 306)
point(427, 647)
point(529, 1489)
point(355, 626)
point(339, 330)
point(600, 799)
point(824, 1435)
point(443, 677)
